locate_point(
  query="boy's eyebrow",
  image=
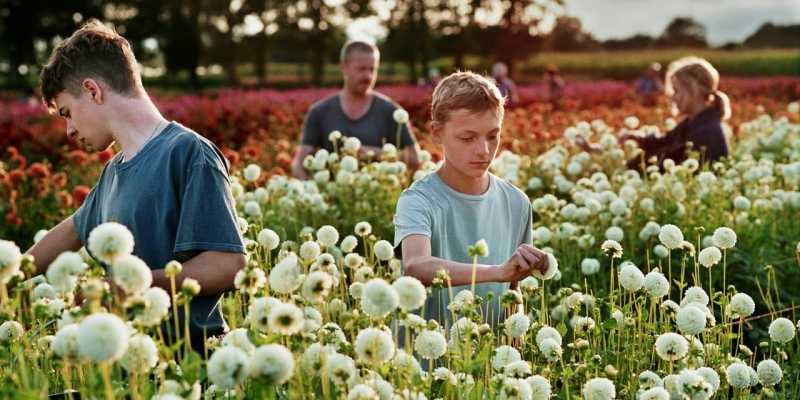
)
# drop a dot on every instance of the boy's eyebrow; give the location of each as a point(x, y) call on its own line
point(470, 131)
point(61, 111)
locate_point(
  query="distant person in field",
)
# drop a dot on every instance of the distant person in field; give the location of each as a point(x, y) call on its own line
point(356, 111)
point(648, 86)
point(554, 86)
point(692, 84)
point(168, 185)
point(507, 87)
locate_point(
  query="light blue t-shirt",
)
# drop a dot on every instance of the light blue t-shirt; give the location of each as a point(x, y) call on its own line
point(453, 221)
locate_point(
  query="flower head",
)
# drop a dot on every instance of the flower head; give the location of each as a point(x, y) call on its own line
point(110, 241)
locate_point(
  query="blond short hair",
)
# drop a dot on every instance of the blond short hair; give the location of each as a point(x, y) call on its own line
point(465, 91)
point(358, 46)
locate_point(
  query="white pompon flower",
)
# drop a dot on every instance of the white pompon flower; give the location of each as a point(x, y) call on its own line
point(309, 251)
point(63, 272)
point(341, 368)
point(227, 367)
point(630, 277)
point(656, 284)
point(709, 256)
point(349, 244)
point(691, 319)
point(362, 392)
point(102, 337)
point(631, 122)
point(110, 241)
point(599, 389)
point(612, 248)
point(671, 346)
point(141, 356)
point(654, 393)
point(781, 330)
point(157, 303)
point(724, 238)
point(269, 239)
point(515, 389)
point(384, 250)
point(540, 387)
point(710, 376)
point(374, 346)
point(671, 236)
point(240, 338)
point(430, 344)
point(363, 228)
point(10, 331)
point(400, 116)
point(252, 172)
point(378, 298)
point(590, 266)
point(65, 343)
point(552, 268)
point(769, 372)
point(10, 260)
point(272, 363)
point(411, 293)
point(742, 305)
point(547, 332)
point(285, 277)
point(738, 375)
point(551, 349)
point(660, 251)
point(286, 319)
point(517, 325)
point(695, 294)
point(504, 355)
point(317, 286)
point(132, 274)
point(328, 236)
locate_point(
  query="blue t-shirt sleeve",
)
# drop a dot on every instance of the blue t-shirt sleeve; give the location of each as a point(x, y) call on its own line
point(412, 216)
point(207, 219)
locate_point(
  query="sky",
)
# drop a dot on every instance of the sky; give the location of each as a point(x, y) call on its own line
point(725, 20)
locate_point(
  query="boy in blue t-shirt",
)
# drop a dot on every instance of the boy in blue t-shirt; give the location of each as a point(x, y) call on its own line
point(168, 185)
point(442, 214)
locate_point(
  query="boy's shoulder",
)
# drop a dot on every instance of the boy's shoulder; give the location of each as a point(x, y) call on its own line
point(509, 188)
point(324, 104)
point(185, 144)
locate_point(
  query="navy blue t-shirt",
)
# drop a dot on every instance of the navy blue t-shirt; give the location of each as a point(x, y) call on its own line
point(175, 198)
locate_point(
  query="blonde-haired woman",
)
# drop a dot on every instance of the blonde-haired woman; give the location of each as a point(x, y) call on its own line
point(692, 84)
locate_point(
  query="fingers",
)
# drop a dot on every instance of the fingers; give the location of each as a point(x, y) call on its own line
point(538, 259)
point(530, 256)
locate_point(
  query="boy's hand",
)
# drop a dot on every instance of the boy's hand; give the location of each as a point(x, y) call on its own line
point(520, 264)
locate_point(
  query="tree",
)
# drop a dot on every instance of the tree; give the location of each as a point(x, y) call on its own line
point(568, 35)
point(684, 32)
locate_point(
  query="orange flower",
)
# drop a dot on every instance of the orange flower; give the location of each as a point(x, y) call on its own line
point(65, 198)
point(78, 157)
point(16, 177)
point(284, 160)
point(13, 219)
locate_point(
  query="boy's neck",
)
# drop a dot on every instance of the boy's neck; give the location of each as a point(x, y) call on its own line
point(462, 183)
point(138, 121)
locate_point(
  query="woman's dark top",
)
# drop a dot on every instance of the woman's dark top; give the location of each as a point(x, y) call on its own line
point(704, 131)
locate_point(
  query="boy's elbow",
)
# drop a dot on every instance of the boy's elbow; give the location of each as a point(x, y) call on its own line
point(414, 269)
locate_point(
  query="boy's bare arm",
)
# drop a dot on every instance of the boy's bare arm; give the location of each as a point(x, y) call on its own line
point(420, 264)
point(298, 171)
point(63, 237)
point(213, 270)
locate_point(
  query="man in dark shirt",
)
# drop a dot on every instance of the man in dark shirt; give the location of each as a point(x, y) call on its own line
point(356, 111)
point(168, 185)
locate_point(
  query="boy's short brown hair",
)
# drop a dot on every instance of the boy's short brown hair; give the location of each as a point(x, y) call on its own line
point(467, 91)
point(93, 51)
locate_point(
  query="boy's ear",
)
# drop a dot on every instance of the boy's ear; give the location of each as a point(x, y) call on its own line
point(93, 89)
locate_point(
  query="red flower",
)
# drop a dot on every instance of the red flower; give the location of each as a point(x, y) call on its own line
point(16, 177)
point(79, 194)
point(78, 157)
point(13, 219)
point(65, 198)
point(105, 155)
point(39, 171)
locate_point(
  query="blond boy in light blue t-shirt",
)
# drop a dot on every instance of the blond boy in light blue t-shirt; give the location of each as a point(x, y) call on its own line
point(440, 215)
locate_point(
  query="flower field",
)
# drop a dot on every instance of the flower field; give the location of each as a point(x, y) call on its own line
point(673, 284)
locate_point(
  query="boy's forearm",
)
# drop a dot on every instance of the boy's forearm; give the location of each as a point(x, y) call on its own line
point(460, 273)
point(214, 273)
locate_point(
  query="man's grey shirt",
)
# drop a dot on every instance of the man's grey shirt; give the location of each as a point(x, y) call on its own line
point(375, 128)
